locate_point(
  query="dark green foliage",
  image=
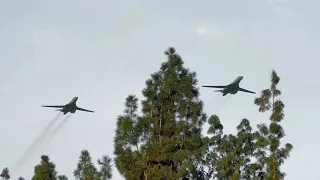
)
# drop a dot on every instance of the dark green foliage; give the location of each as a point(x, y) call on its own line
point(248, 155)
point(126, 141)
point(270, 155)
point(85, 168)
point(105, 167)
point(62, 177)
point(229, 156)
point(45, 170)
point(165, 141)
point(5, 175)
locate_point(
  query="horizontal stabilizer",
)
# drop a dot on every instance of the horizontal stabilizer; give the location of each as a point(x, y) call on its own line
point(58, 109)
point(218, 91)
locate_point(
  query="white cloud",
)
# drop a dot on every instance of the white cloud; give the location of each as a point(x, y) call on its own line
point(210, 30)
point(201, 30)
point(218, 30)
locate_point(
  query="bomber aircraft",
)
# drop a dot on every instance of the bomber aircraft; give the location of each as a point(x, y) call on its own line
point(231, 88)
point(70, 107)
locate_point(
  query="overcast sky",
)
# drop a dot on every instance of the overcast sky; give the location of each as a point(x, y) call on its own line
point(102, 51)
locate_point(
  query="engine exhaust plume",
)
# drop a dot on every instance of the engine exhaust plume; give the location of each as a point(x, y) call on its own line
point(31, 149)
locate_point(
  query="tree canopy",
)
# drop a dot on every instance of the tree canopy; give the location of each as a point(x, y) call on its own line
point(163, 139)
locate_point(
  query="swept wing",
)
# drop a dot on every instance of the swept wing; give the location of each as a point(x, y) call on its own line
point(81, 109)
point(247, 91)
point(215, 86)
point(54, 106)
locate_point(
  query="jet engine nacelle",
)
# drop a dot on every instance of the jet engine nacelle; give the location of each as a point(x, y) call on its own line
point(234, 92)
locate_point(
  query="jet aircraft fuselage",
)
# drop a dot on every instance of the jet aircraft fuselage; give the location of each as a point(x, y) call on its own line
point(231, 88)
point(70, 107)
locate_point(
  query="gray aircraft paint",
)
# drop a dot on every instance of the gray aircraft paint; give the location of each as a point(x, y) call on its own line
point(70, 107)
point(231, 88)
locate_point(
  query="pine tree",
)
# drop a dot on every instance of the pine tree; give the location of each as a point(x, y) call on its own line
point(270, 155)
point(45, 170)
point(5, 175)
point(208, 167)
point(105, 167)
point(129, 160)
point(62, 177)
point(229, 156)
point(247, 167)
point(165, 142)
point(85, 168)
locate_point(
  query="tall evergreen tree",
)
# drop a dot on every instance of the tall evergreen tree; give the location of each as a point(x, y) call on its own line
point(5, 175)
point(45, 170)
point(105, 167)
point(229, 156)
point(130, 160)
point(208, 167)
point(270, 155)
point(85, 167)
point(165, 142)
point(62, 177)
